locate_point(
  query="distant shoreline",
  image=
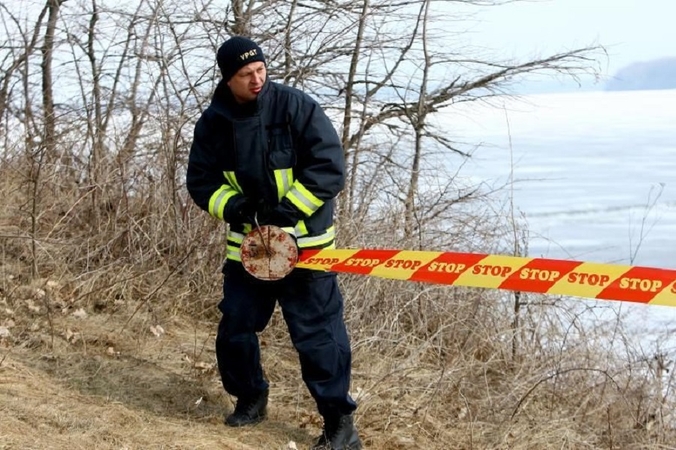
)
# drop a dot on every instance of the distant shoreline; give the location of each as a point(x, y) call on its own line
point(656, 74)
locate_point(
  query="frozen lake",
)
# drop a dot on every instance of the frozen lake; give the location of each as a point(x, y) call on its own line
point(593, 173)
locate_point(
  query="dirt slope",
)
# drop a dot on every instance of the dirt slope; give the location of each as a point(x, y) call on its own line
point(88, 383)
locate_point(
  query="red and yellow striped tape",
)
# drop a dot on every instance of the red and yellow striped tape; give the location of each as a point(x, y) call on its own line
point(547, 276)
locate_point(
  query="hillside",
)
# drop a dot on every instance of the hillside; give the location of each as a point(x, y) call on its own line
point(647, 75)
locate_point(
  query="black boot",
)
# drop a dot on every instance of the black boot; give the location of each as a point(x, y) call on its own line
point(249, 411)
point(339, 434)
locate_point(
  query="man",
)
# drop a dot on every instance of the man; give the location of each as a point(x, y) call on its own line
point(267, 153)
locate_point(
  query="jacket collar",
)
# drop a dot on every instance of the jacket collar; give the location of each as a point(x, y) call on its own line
point(224, 102)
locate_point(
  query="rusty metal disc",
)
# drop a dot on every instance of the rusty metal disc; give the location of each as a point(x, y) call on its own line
point(269, 253)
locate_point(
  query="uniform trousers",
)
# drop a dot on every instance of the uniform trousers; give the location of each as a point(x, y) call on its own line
point(312, 307)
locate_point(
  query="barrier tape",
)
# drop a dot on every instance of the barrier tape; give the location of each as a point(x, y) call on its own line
point(538, 275)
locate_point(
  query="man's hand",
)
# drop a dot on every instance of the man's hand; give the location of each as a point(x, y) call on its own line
point(240, 210)
point(248, 211)
point(280, 215)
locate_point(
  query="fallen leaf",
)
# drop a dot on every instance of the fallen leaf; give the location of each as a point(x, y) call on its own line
point(71, 336)
point(32, 307)
point(463, 413)
point(203, 366)
point(80, 314)
point(4, 332)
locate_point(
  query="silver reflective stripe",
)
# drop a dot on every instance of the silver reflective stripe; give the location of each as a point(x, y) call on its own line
point(233, 253)
point(234, 243)
point(235, 237)
point(284, 180)
point(314, 241)
point(303, 199)
point(290, 230)
point(218, 204)
point(299, 230)
point(219, 199)
point(234, 240)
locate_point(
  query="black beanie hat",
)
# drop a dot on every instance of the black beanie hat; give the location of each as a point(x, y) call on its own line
point(236, 53)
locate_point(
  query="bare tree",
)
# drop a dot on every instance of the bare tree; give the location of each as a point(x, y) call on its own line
point(49, 138)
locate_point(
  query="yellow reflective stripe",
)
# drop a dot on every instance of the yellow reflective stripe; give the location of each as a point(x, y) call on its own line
point(232, 181)
point(325, 242)
point(235, 237)
point(233, 248)
point(314, 241)
point(219, 199)
point(233, 254)
point(283, 180)
point(303, 199)
point(301, 228)
point(234, 241)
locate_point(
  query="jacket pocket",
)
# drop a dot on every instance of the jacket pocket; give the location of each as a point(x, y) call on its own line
point(281, 153)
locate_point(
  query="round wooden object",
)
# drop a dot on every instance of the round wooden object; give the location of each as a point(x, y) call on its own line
point(269, 253)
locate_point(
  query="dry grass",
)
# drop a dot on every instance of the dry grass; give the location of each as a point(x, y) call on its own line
point(72, 377)
point(91, 386)
point(42, 410)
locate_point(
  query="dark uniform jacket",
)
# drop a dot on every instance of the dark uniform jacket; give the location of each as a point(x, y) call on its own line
point(280, 150)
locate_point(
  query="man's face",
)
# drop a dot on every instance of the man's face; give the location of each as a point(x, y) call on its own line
point(248, 81)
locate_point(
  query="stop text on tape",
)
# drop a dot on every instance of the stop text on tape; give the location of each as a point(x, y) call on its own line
point(538, 275)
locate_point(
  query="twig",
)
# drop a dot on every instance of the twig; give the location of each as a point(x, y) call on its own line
point(149, 295)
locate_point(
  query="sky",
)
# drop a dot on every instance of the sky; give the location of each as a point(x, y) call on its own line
point(631, 30)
